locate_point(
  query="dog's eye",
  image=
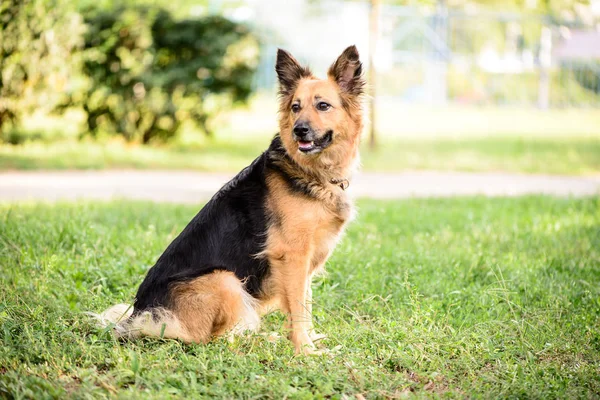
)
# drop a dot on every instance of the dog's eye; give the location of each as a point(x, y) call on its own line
point(322, 106)
point(295, 107)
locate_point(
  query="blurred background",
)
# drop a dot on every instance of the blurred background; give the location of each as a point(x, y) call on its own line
point(465, 85)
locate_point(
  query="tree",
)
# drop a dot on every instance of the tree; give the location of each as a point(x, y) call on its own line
point(148, 73)
point(36, 43)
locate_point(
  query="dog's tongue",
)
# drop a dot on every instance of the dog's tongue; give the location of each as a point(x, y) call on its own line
point(305, 145)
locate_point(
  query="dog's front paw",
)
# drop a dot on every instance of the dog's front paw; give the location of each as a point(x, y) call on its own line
point(320, 351)
point(317, 337)
point(309, 350)
point(272, 336)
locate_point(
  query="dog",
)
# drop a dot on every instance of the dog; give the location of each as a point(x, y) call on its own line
point(256, 245)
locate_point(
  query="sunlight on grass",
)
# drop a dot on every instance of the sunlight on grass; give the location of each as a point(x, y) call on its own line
point(410, 138)
point(468, 297)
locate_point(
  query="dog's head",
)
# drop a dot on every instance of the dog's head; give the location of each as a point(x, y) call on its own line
point(320, 120)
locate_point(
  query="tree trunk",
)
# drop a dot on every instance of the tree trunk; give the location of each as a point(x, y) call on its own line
point(375, 10)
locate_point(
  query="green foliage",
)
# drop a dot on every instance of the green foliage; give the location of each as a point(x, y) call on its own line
point(149, 73)
point(587, 75)
point(37, 38)
point(141, 72)
point(178, 8)
point(452, 298)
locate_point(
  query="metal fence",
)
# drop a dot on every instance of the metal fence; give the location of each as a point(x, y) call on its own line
point(439, 56)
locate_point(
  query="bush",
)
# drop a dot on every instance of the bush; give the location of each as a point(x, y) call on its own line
point(37, 39)
point(148, 73)
point(587, 74)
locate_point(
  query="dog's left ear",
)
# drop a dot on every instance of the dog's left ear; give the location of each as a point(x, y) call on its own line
point(347, 72)
point(289, 72)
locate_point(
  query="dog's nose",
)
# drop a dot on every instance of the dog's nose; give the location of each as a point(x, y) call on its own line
point(301, 129)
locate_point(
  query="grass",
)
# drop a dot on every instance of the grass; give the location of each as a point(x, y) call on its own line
point(505, 154)
point(214, 157)
point(472, 297)
point(410, 138)
point(517, 155)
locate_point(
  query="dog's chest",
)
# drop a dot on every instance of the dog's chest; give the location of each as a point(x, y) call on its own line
point(329, 223)
point(303, 224)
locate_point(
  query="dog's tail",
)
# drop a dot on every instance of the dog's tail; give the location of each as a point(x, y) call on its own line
point(158, 322)
point(115, 317)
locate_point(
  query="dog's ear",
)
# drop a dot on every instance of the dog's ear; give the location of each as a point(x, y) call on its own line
point(289, 72)
point(347, 72)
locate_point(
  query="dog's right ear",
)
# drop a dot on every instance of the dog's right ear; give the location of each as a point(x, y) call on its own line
point(289, 72)
point(347, 72)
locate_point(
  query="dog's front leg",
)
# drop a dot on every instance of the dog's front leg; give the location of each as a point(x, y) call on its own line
point(295, 284)
point(309, 307)
point(299, 319)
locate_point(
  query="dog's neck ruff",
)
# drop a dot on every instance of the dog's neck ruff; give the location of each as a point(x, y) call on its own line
point(300, 177)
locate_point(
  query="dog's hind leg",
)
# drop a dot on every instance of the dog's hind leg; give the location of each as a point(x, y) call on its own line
point(213, 305)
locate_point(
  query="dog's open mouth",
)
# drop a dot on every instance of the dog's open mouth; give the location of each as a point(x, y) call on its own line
point(317, 145)
point(305, 146)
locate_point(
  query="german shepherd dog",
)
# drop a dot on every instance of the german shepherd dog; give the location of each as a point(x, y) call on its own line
point(256, 245)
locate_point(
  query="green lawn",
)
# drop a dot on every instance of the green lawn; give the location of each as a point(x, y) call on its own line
point(473, 297)
point(508, 154)
point(410, 138)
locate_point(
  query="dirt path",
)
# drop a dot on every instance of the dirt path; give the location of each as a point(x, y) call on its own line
point(193, 187)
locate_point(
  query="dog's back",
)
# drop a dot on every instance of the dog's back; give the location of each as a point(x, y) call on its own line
point(222, 236)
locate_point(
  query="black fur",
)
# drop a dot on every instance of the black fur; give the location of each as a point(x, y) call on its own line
point(277, 156)
point(226, 234)
point(289, 72)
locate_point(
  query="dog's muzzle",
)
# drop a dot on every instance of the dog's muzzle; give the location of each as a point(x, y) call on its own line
point(309, 142)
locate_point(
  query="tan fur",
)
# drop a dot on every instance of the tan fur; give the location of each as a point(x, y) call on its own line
point(204, 307)
point(297, 248)
point(341, 158)
point(306, 229)
point(305, 225)
point(212, 305)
